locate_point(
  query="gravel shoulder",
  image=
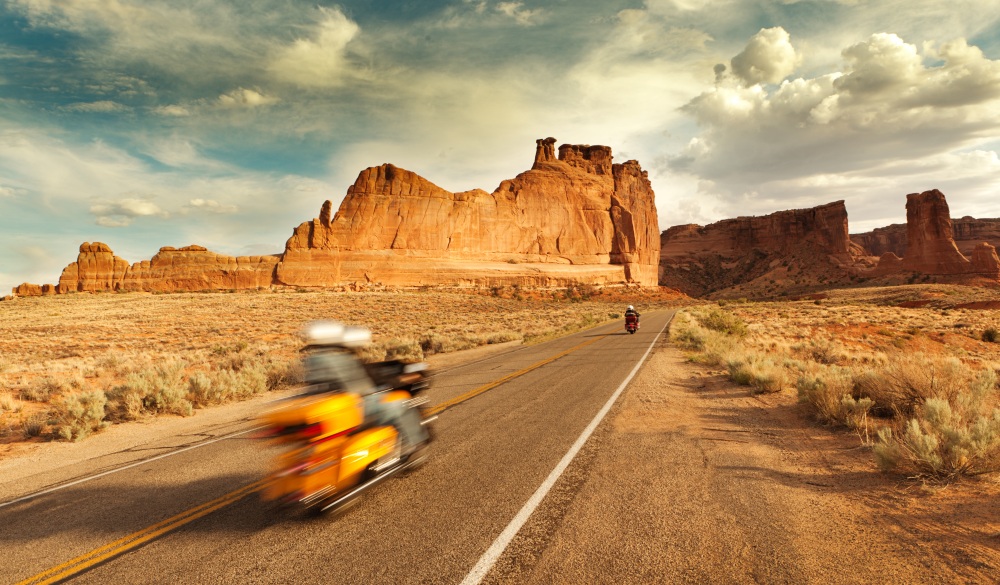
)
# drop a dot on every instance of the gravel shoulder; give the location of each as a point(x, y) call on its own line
point(692, 480)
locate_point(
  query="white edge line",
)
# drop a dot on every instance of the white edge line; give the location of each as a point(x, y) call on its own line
point(499, 545)
point(129, 466)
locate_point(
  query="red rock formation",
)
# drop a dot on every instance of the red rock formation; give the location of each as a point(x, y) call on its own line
point(579, 209)
point(33, 290)
point(194, 268)
point(930, 248)
point(985, 261)
point(574, 219)
point(96, 269)
point(697, 260)
point(968, 232)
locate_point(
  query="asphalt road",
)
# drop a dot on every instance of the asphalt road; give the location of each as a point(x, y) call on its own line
point(492, 453)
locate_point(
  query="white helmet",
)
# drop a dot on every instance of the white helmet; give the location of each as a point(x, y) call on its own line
point(631, 308)
point(331, 333)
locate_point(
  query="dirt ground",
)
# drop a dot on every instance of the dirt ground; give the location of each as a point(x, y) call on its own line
point(697, 481)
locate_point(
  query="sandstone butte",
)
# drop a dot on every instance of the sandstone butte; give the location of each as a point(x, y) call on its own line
point(931, 247)
point(571, 219)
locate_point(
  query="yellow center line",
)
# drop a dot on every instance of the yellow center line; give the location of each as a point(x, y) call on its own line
point(136, 539)
point(126, 543)
point(477, 391)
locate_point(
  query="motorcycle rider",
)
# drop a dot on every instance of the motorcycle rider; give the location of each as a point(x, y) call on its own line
point(631, 311)
point(331, 365)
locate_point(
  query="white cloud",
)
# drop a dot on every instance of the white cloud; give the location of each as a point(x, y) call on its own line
point(321, 59)
point(210, 205)
point(103, 106)
point(245, 98)
point(521, 15)
point(172, 110)
point(121, 212)
point(768, 58)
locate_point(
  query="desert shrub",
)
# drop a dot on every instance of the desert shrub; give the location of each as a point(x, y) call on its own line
point(205, 390)
point(761, 372)
point(855, 413)
point(159, 389)
point(403, 349)
point(283, 373)
point(9, 403)
point(74, 416)
point(723, 322)
point(686, 333)
point(822, 351)
point(991, 335)
point(824, 389)
point(45, 389)
point(33, 426)
point(907, 380)
point(944, 439)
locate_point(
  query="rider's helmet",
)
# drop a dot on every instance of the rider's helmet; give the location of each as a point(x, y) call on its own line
point(333, 334)
point(631, 308)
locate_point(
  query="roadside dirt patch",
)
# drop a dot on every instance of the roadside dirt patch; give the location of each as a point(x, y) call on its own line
point(696, 481)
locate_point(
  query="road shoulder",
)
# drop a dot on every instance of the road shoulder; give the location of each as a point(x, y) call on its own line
point(694, 480)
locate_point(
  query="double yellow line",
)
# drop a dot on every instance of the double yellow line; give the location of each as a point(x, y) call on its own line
point(137, 539)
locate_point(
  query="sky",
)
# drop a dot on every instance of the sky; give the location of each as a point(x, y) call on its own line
point(226, 123)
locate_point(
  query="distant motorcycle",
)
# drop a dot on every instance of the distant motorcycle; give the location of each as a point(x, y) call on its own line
point(631, 323)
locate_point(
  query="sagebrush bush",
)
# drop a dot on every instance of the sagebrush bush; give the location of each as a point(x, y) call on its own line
point(159, 389)
point(906, 380)
point(760, 372)
point(723, 322)
point(8, 403)
point(74, 416)
point(825, 389)
point(944, 440)
point(991, 335)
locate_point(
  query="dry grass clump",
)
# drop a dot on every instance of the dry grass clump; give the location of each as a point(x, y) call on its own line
point(74, 416)
point(917, 384)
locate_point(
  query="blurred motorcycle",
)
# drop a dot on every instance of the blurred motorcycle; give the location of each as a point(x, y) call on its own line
point(334, 452)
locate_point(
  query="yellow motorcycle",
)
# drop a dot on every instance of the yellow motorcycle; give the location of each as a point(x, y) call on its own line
point(332, 455)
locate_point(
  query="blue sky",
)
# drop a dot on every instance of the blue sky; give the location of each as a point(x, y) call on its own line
point(225, 123)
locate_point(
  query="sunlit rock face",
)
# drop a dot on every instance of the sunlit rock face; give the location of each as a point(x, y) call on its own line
point(967, 232)
point(96, 269)
point(192, 268)
point(578, 209)
point(195, 268)
point(573, 218)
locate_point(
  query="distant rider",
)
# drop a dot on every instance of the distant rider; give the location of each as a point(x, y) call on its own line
point(631, 311)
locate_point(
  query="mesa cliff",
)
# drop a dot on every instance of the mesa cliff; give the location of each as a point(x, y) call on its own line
point(794, 252)
point(767, 253)
point(573, 218)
